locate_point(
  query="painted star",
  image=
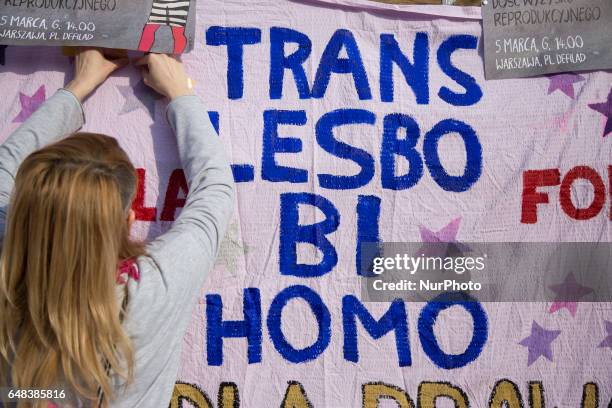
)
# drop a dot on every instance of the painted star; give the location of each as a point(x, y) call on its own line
point(3, 54)
point(231, 249)
point(448, 234)
point(539, 342)
point(564, 83)
point(138, 97)
point(607, 342)
point(569, 292)
point(605, 108)
point(29, 104)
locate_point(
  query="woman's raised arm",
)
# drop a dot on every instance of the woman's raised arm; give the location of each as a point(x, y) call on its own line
point(58, 117)
point(185, 254)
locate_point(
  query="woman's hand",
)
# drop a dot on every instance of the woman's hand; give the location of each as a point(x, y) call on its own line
point(91, 68)
point(165, 74)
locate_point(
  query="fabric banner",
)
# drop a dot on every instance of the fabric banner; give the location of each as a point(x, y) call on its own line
point(348, 122)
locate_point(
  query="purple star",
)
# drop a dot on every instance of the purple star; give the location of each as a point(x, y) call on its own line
point(607, 342)
point(605, 108)
point(539, 342)
point(29, 104)
point(3, 54)
point(564, 83)
point(448, 234)
point(138, 97)
point(569, 292)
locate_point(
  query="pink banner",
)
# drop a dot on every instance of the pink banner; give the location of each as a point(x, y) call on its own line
point(350, 121)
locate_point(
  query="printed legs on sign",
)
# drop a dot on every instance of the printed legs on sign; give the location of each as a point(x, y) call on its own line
point(147, 39)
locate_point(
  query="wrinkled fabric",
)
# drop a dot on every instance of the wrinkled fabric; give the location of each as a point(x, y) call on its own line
point(521, 124)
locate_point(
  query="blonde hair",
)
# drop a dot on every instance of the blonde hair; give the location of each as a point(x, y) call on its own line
point(66, 231)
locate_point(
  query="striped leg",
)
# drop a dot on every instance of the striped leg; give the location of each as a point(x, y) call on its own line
point(148, 37)
point(180, 41)
point(170, 12)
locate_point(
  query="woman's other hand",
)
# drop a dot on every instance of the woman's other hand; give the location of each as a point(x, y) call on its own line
point(165, 74)
point(91, 69)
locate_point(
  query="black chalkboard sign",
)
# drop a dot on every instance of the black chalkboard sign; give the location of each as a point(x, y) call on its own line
point(533, 37)
point(147, 25)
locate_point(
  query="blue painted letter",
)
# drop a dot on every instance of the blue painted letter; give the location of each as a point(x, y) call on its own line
point(279, 62)
point(291, 233)
point(235, 38)
point(321, 313)
point(331, 63)
point(217, 329)
point(395, 319)
point(368, 218)
point(273, 144)
point(392, 146)
point(473, 93)
point(473, 151)
point(430, 345)
point(416, 73)
point(325, 137)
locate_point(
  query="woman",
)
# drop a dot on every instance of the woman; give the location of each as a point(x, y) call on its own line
point(83, 308)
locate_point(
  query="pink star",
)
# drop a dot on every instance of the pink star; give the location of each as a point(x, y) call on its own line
point(29, 104)
point(447, 234)
point(568, 293)
point(564, 83)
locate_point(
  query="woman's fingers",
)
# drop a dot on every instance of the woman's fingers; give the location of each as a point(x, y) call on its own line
point(142, 61)
point(119, 63)
point(146, 77)
point(90, 52)
point(161, 72)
